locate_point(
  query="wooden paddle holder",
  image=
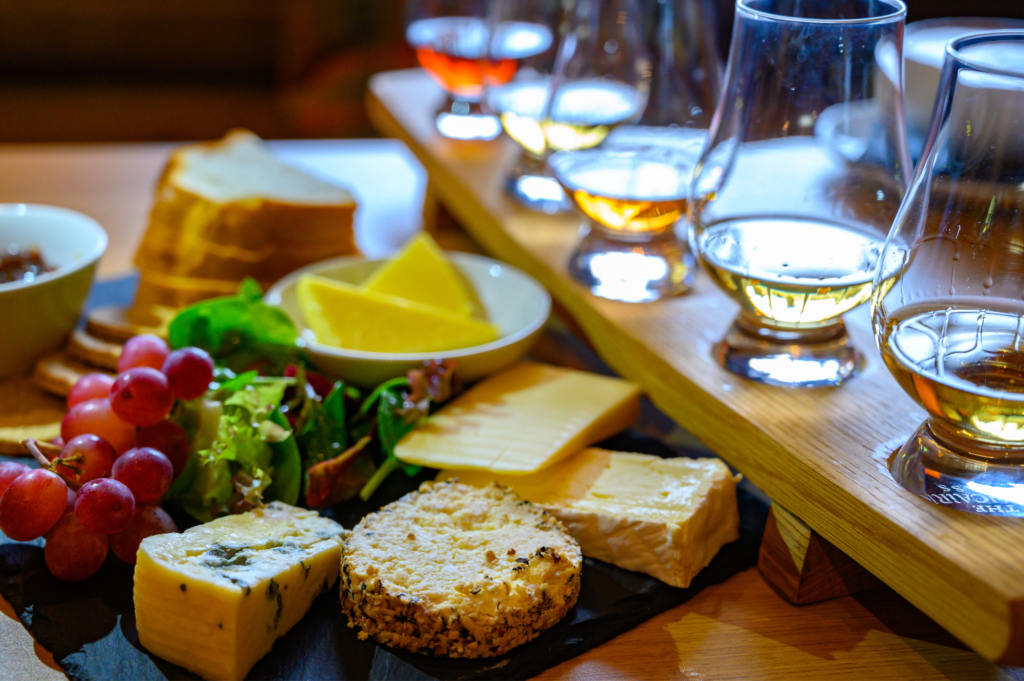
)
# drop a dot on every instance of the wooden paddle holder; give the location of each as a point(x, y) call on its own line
point(802, 567)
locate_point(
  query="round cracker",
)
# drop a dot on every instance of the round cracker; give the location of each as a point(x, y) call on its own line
point(118, 324)
point(93, 351)
point(27, 411)
point(57, 373)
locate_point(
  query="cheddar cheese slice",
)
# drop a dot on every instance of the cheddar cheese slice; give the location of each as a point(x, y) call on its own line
point(352, 318)
point(522, 420)
point(421, 272)
point(663, 517)
point(215, 598)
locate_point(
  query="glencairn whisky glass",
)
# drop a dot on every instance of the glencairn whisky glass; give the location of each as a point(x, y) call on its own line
point(632, 197)
point(600, 80)
point(686, 78)
point(467, 46)
point(948, 305)
point(802, 175)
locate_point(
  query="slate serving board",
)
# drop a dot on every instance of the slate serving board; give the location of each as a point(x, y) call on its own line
point(90, 626)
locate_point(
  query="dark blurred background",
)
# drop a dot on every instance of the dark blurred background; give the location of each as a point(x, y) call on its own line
point(138, 70)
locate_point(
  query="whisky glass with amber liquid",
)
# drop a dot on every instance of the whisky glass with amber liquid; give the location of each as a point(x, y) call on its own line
point(632, 198)
point(600, 80)
point(804, 170)
point(948, 306)
point(467, 46)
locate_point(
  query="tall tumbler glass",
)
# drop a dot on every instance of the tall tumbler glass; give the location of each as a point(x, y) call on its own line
point(948, 306)
point(802, 175)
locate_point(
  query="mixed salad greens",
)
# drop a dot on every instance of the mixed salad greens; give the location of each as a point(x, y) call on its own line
point(271, 428)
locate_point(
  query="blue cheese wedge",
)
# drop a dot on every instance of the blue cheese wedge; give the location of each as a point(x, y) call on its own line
point(663, 517)
point(215, 598)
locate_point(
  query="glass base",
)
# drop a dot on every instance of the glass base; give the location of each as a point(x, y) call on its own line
point(791, 359)
point(635, 271)
point(934, 470)
point(462, 119)
point(533, 186)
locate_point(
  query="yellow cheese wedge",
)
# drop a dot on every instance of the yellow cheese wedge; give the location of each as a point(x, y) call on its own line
point(663, 517)
point(215, 598)
point(521, 420)
point(350, 317)
point(421, 272)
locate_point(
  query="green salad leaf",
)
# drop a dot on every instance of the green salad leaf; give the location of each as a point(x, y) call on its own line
point(238, 330)
point(393, 423)
point(326, 434)
point(249, 450)
point(287, 464)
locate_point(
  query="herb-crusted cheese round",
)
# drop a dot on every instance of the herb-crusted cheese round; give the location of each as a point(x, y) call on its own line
point(459, 571)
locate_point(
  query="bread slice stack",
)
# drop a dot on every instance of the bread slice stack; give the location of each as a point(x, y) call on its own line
point(229, 209)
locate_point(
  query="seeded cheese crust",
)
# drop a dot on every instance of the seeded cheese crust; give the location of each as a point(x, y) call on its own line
point(459, 571)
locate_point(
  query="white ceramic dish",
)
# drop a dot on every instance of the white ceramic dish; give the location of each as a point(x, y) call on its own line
point(513, 301)
point(38, 315)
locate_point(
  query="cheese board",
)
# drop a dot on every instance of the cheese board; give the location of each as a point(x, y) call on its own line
point(821, 454)
point(90, 626)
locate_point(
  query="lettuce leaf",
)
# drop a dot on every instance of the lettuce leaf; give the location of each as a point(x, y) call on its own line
point(234, 468)
point(287, 465)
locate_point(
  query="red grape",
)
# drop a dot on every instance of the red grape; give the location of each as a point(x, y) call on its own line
point(70, 508)
point(141, 396)
point(95, 417)
point(145, 472)
point(73, 552)
point(167, 437)
point(143, 351)
point(89, 453)
point(9, 472)
point(105, 506)
point(32, 504)
point(148, 521)
point(90, 387)
point(189, 371)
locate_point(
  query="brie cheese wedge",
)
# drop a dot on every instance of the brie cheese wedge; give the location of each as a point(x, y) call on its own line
point(664, 517)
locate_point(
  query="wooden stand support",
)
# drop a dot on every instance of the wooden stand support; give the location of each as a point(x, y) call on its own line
point(804, 568)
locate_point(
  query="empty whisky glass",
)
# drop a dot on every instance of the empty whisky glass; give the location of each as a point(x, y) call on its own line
point(802, 175)
point(948, 307)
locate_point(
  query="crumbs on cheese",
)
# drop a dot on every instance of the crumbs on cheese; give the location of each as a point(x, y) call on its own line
point(459, 571)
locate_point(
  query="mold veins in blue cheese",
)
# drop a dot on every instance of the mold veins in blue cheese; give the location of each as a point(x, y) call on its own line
point(215, 598)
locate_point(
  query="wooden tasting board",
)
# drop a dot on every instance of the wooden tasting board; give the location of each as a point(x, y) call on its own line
point(819, 453)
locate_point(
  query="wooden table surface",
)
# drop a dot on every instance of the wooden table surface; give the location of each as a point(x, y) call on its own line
point(821, 454)
point(736, 630)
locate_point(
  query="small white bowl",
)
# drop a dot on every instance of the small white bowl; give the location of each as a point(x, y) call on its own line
point(38, 315)
point(512, 301)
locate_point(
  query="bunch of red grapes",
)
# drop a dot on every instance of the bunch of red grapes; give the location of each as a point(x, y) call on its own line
point(120, 454)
